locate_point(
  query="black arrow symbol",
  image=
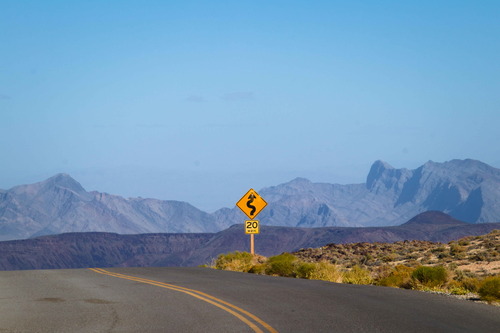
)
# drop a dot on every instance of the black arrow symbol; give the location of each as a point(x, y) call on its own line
point(252, 197)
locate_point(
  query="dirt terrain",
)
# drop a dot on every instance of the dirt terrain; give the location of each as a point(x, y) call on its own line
point(479, 255)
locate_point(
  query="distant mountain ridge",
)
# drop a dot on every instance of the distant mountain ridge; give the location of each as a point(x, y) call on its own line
point(97, 249)
point(468, 190)
point(60, 204)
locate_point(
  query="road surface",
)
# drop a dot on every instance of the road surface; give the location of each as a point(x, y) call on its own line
point(205, 300)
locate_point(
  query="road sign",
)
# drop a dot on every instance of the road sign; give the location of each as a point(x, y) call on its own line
point(251, 204)
point(252, 227)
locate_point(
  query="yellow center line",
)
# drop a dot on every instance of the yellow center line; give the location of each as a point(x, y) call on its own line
point(257, 319)
point(200, 295)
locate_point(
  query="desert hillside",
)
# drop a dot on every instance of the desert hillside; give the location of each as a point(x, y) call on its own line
point(478, 255)
point(467, 268)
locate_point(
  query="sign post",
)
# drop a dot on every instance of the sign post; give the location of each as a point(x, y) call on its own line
point(252, 228)
point(251, 204)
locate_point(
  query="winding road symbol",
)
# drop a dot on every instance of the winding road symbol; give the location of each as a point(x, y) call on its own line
point(251, 204)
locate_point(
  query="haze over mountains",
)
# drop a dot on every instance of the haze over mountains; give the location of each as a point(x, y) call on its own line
point(468, 190)
point(60, 204)
point(92, 249)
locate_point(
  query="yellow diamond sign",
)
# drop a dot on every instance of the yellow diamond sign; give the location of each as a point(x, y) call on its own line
point(251, 204)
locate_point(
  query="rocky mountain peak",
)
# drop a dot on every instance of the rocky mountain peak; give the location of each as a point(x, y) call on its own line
point(299, 181)
point(383, 176)
point(64, 180)
point(464, 167)
point(292, 188)
point(376, 171)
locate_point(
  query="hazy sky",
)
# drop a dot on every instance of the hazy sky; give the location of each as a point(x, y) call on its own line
point(200, 100)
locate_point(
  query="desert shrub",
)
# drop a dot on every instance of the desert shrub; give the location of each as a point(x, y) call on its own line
point(438, 249)
point(400, 277)
point(284, 264)
point(258, 269)
point(490, 289)
point(234, 261)
point(443, 255)
point(413, 256)
point(464, 242)
point(327, 272)
point(479, 257)
point(465, 280)
point(430, 276)
point(455, 288)
point(489, 245)
point(357, 275)
point(389, 257)
point(462, 285)
point(382, 271)
point(456, 249)
point(471, 284)
point(305, 269)
point(319, 271)
point(427, 258)
point(366, 259)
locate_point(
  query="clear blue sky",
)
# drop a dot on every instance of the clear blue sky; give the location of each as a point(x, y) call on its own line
point(200, 100)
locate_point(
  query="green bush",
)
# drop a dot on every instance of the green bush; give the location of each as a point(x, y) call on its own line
point(258, 269)
point(430, 276)
point(470, 284)
point(235, 261)
point(490, 289)
point(319, 271)
point(462, 284)
point(284, 264)
point(326, 271)
point(438, 249)
point(399, 277)
point(305, 270)
point(357, 275)
point(390, 257)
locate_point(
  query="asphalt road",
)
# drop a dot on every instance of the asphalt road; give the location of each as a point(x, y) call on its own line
point(205, 300)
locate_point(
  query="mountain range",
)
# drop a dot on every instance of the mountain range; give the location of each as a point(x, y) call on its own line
point(468, 190)
point(60, 204)
point(97, 249)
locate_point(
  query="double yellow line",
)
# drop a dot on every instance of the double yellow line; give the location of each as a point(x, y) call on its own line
point(243, 315)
